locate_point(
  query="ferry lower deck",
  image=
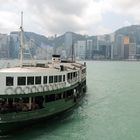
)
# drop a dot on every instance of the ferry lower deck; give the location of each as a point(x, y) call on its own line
point(15, 109)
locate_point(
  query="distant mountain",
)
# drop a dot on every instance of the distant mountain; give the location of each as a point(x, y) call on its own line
point(10, 47)
point(133, 31)
point(37, 38)
point(56, 41)
point(59, 41)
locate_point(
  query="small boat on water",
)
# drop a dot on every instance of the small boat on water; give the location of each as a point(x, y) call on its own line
point(30, 92)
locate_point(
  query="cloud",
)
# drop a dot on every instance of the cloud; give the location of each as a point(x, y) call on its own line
point(125, 8)
point(51, 17)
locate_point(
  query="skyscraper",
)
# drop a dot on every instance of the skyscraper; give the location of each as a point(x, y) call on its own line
point(68, 44)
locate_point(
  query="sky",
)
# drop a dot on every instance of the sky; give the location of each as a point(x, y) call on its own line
point(50, 17)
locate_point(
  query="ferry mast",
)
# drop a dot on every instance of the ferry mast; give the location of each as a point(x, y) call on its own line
point(21, 41)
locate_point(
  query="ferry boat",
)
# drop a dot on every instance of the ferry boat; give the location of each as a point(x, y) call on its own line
point(30, 92)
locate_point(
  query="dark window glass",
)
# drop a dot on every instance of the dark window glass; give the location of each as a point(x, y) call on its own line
point(58, 96)
point(55, 79)
point(9, 81)
point(83, 71)
point(68, 76)
point(45, 79)
point(60, 78)
point(71, 76)
point(74, 74)
point(50, 79)
point(50, 98)
point(21, 81)
point(30, 80)
point(63, 78)
point(38, 80)
point(25, 100)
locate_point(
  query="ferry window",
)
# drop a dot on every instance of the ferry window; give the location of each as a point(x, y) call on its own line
point(21, 81)
point(55, 79)
point(25, 100)
point(58, 96)
point(60, 78)
point(9, 81)
point(38, 80)
point(83, 71)
point(45, 79)
point(68, 75)
point(50, 98)
point(63, 78)
point(71, 76)
point(50, 79)
point(30, 80)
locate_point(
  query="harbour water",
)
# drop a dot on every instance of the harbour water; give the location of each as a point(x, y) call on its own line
point(109, 111)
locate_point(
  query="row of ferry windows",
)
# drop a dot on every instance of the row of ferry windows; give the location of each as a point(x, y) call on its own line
point(72, 75)
point(21, 81)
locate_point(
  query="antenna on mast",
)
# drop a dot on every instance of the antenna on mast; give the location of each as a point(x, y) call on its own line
point(21, 18)
point(21, 41)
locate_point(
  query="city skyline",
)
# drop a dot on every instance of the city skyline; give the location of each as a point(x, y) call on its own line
point(94, 17)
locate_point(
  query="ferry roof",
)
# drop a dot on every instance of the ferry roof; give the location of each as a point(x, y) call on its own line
point(27, 70)
point(50, 69)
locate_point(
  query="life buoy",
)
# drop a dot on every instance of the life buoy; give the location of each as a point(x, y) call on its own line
point(61, 85)
point(40, 88)
point(9, 90)
point(64, 83)
point(33, 89)
point(56, 86)
point(18, 90)
point(27, 90)
point(46, 88)
point(50, 87)
point(53, 86)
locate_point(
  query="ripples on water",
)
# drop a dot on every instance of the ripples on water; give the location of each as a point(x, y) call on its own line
point(110, 110)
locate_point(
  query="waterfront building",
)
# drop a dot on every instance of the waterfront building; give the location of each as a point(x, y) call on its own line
point(119, 47)
point(132, 50)
point(89, 48)
point(4, 50)
point(80, 49)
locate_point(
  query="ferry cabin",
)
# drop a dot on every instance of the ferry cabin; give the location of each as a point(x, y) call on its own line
point(25, 89)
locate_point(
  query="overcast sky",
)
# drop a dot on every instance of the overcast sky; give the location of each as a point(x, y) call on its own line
point(49, 17)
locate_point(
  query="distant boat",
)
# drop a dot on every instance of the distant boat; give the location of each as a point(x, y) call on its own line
point(31, 92)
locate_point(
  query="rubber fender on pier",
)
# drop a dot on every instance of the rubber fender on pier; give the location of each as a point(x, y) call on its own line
point(9, 90)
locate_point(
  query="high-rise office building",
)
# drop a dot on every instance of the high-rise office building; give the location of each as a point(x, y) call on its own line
point(68, 42)
point(80, 49)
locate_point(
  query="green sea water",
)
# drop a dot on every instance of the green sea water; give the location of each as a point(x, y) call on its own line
point(109, 111)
